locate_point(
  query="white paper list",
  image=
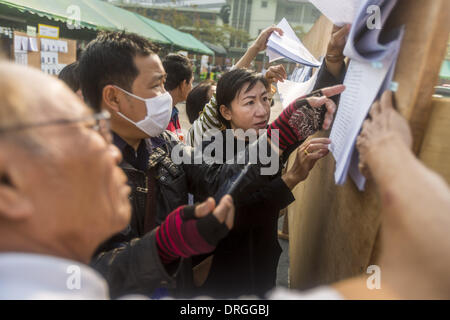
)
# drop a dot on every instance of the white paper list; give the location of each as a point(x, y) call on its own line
point(362, 81)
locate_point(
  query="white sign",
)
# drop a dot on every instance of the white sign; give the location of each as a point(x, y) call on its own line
point(46, 31)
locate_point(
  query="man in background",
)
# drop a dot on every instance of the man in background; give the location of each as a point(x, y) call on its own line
point(178, 83)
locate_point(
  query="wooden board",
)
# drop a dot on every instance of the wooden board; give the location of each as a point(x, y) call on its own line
point(316, 40)
point(334, 229)
point(34, 58)
point(435, 149)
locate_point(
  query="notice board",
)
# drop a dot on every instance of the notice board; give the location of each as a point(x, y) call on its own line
point(34, 58)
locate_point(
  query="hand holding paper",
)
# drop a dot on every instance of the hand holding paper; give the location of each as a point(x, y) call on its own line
point(261, 42)
point(369, 73)
point(276, 73)
point(384, 125)
point(289, 46)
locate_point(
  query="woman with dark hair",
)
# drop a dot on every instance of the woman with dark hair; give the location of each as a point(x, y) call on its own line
point(208, 118)
point(198, 97)
point(332, 72)
point(71, 76)
point(245, 262)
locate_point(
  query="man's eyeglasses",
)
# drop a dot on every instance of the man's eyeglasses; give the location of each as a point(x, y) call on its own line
point(99, 122)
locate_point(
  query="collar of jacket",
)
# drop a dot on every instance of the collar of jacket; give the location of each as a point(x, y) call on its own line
point(151, 143)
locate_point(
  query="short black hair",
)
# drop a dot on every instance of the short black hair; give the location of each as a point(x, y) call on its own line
point(197, 99)
point(71, 76)
point(231, 84)
point(178, 69)
point(109, 59)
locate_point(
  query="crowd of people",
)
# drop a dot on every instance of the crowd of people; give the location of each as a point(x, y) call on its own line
point(88, 178)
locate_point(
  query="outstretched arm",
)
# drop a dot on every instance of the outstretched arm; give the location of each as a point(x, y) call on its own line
point(259, 45)
point(141, 265)
point(209, 118)
point(415, 213)
point(385, 149)
point(334, 58)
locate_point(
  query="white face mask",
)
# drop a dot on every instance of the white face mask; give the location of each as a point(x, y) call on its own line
point(159, 111)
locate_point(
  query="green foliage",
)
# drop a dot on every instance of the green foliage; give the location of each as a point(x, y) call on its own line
point(219, 35)
point(202, 29)
point(172, 17)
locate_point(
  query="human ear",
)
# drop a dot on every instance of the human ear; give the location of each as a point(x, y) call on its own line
point(181, 87)
point(185, 86)
point(225, 112)
point(14, 205)
point(110, 98)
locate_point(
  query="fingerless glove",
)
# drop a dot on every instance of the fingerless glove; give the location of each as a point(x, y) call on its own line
point(297, 122)
point(183, 235)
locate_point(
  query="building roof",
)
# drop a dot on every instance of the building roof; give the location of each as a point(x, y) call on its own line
point(216, 48)
point(97, 15)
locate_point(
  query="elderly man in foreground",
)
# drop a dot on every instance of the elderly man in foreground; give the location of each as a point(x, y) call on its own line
point(62, 194)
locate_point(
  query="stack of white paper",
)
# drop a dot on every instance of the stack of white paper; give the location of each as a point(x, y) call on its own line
point(339, 12)
point(369, 74)
point(301, 74)
point(289, 91)
point(289, 46)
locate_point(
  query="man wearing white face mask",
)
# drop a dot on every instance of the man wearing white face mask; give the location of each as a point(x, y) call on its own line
point(121, 73)
point(139, 111)
point(159, 110)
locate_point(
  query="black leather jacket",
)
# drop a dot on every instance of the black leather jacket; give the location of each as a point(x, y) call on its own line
point(129, 261)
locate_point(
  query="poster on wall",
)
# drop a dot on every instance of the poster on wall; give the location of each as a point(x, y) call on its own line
point(21, 58)
point(20, 44)
point(54, 45)
point(32, 44)
point(46, 31)
point(204, 64)
point(49, 58)
point(52, 69)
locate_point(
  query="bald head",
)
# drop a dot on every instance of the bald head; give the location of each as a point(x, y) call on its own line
point(29, 96)
point(70, 195)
